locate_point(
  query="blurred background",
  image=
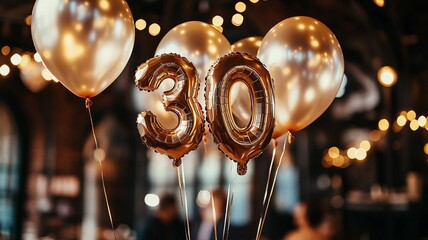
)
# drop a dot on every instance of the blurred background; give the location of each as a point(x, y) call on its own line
point(365, 159)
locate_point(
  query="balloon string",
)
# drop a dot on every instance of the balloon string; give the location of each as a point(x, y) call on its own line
point(287, 139)
point(227, 204)
point(213, 208)
point(88, 104)
point(230, 209)
point(185, 199)
point(275, 144)
point(182, 201)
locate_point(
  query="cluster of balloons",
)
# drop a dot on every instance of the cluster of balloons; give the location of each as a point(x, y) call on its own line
point(264, 89)
point(267, 87)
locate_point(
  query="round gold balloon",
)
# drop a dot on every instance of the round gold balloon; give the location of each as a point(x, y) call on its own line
point(200, 43)
point(240, 143)
point(306, 62)
point(84, 43)
point(180, 100)
point(248, 45)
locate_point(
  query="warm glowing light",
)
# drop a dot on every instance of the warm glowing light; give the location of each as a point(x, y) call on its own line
point(28, 20)
point(26, 59)
point(37, 57)
point(240, 7)
point(16, 59)
point(351, 152)
point(426, 148)
point(375, 135)
point(99, 154)
point(154, 29)
point(203, 198)
point(414, 125)
point(401, 120)
point(254, 1)
point(217, 21)
point(333, 152)
point(339, 161)
point(140, 24)
point(383, 124)
point(422, 120)
point(151, 200)
point(5, 50)
point(379, 3)
point(387, 76)
point(104, 5)
point(219, 28)
point(365, 145)
point(4, 70)
point(237, 19)
point(411, 115)
point(360, 154)
point(47, 75)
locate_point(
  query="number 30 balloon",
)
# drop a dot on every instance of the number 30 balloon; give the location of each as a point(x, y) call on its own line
point(240, 144)
point(181, 100)
point(84, 43)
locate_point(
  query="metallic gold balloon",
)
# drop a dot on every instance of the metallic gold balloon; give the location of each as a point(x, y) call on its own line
point(240, 101)
point(200, 43)
point(240, 144)
point(84, 43)
point(181, 100)
point(306, 62)
point(248, 45)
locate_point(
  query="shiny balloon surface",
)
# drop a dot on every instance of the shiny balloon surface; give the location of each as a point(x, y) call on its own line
point(84, 43)
point(249, 45)
point(200, 43)
point(306, 62)
point(240, 143)
point(181, 100)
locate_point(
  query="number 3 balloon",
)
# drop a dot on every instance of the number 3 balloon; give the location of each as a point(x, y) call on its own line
point(84, 43)
point(240, 144)
point(306, 62)
point(181, 100)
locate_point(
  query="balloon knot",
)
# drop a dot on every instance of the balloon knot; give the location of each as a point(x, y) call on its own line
point(176, 162)
point(88, 102)
point(242, 169)
point(291, 138)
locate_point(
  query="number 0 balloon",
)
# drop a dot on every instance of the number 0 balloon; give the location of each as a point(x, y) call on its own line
point(306, 62)
point(240, 144)
point(85, 44)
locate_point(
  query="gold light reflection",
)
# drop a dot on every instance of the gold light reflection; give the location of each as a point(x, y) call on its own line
point(47, 75)
point(426, 148)
point(217, 21)
point(351, 152)
point(333, 152)
point(26, 59)
point(414, 125)
point(140, 24)
point(71, 48)
point(254, 1)
point(240, 7)
point(422, 120)
point(379, 3)
point(401, 120)
point(4, 70)
point(360, 154)
point(5, 50)
point(16, 59)
point(375, 135)
point(411, 115)
point(383, 124)
point(237, 19)
point(28, 20)
point(154, 29)
point(387, 76)
point(365, 145)
point(37, 57)
point(104, 5)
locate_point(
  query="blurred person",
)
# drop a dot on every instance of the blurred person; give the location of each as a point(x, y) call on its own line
point(204, 229)
point(165, 224)
point(312, 222)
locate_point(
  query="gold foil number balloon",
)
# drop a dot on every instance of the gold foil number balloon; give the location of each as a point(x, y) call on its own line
point(306, 62)
point(181, 100)
point(84, 43)
point(240, 143)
